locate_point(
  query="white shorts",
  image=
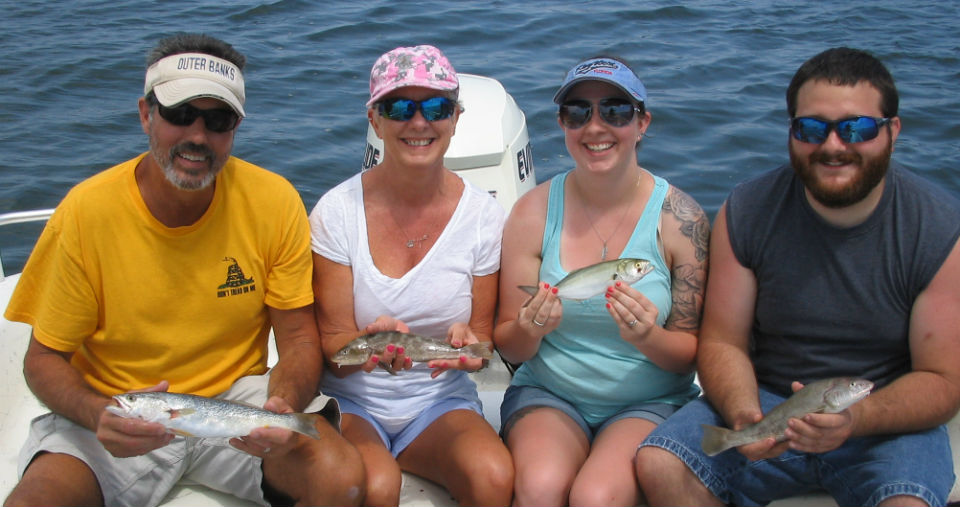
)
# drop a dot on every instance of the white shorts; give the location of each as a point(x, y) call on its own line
point(146, 480)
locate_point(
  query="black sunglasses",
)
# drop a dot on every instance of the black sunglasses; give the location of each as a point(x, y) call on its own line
point(215, 120)
point(616, 112)
point(432, 109)
point(850, 130)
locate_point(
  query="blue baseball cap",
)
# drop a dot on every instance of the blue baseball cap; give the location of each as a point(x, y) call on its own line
point(603, 69)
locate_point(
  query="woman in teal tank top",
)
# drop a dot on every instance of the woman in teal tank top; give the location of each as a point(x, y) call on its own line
point(597, 374)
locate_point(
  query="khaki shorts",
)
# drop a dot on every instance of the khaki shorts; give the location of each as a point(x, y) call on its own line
point(146, 480)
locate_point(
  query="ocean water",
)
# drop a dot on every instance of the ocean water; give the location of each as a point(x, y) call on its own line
point(716, 73)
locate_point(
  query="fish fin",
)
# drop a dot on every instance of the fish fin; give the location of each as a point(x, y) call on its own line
point(389, 368)
point(180, 432)
point(529, 289)
point(714, 439)
point(307, 424)
point(180, 412)
point(481, 350)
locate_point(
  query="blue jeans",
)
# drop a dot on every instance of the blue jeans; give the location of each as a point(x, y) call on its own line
point(864, 471)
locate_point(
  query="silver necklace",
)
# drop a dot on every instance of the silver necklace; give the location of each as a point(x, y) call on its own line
point(410, 241)
point(603, 250)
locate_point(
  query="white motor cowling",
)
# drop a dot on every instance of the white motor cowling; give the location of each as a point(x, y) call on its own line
point(491, 148)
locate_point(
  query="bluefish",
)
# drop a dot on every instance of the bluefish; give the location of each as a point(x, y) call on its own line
point(588, 281)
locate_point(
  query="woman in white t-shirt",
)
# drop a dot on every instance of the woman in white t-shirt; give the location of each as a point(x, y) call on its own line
point(409, 245)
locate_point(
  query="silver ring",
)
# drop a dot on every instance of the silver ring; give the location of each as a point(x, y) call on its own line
point(541, 324)
point(632, 323)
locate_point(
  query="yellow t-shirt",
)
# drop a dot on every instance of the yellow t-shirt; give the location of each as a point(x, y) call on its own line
point(138, 302)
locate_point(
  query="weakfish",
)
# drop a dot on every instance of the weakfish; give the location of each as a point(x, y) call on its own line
point(827, 396)
point(196, 416)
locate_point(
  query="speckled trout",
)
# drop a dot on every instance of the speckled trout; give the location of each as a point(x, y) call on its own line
point(827, 396)
point(416, 347)
point(196, 416)
point(588, 281)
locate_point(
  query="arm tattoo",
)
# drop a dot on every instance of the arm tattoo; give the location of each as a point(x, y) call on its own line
point(688, 280)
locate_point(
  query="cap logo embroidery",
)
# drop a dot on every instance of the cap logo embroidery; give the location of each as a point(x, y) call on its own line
point(598, 65)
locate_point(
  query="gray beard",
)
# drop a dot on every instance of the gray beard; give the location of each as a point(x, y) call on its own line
point(169, 172)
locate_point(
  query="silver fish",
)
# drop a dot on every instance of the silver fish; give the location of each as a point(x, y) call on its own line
point(196, 416)
point(827, 396)
point(416, 347)
point(588, 281)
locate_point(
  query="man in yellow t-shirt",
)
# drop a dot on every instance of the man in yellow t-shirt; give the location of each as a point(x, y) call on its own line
point(166, 272)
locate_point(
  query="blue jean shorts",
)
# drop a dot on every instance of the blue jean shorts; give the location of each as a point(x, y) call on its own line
point(864, 471)
point(518, 398)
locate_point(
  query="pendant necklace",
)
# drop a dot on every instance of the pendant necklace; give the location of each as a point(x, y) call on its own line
point(603, 251)
point(410, 241)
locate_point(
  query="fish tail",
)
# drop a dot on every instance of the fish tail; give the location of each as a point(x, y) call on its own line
point(306, 424)
point(480, 350)
point(715, 439)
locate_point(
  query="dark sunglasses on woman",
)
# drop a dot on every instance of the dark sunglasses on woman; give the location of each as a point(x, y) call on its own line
point(432, 109)
point(616, 112)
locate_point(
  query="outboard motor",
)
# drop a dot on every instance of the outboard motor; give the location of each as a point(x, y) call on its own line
point(491, 148)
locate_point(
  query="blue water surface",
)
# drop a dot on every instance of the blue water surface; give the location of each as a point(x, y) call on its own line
point(716, 72)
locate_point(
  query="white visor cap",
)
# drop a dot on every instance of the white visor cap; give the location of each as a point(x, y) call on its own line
point(182, 77)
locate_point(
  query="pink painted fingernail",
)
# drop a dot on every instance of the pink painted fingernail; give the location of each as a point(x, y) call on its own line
point(374, 359)
point(390, 348)
point(399, 350)
point(608, 305)
point(554, 290)
point(463, 359)
point(609, 289)
point(546, 285)
point(607, 295)
point(618, 284)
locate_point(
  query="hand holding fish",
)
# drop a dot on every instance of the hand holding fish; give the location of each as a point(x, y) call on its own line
point(634, 314)
point(542, 313)
point(818, 411)
point(272, 441)
point(458, 336)
point(124, 437)
point(818, 433)
point(393, 356)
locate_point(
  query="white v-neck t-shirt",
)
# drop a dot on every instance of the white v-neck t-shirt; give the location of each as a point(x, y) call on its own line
point(429, 298)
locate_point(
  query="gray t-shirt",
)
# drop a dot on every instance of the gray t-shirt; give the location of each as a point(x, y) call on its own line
point(836, 301)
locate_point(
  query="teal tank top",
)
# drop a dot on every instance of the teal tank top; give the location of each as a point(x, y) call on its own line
point(584, 361)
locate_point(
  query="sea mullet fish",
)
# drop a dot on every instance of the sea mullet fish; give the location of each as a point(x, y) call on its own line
point(416, 347)
point(588, 281)
point(196, 416)
point(824, 396)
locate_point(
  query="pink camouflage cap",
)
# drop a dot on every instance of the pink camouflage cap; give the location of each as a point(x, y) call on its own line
point(423, 65)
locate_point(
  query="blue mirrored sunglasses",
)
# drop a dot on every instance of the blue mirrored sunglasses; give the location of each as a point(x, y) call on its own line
point(432, 109)
point(850, 130)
